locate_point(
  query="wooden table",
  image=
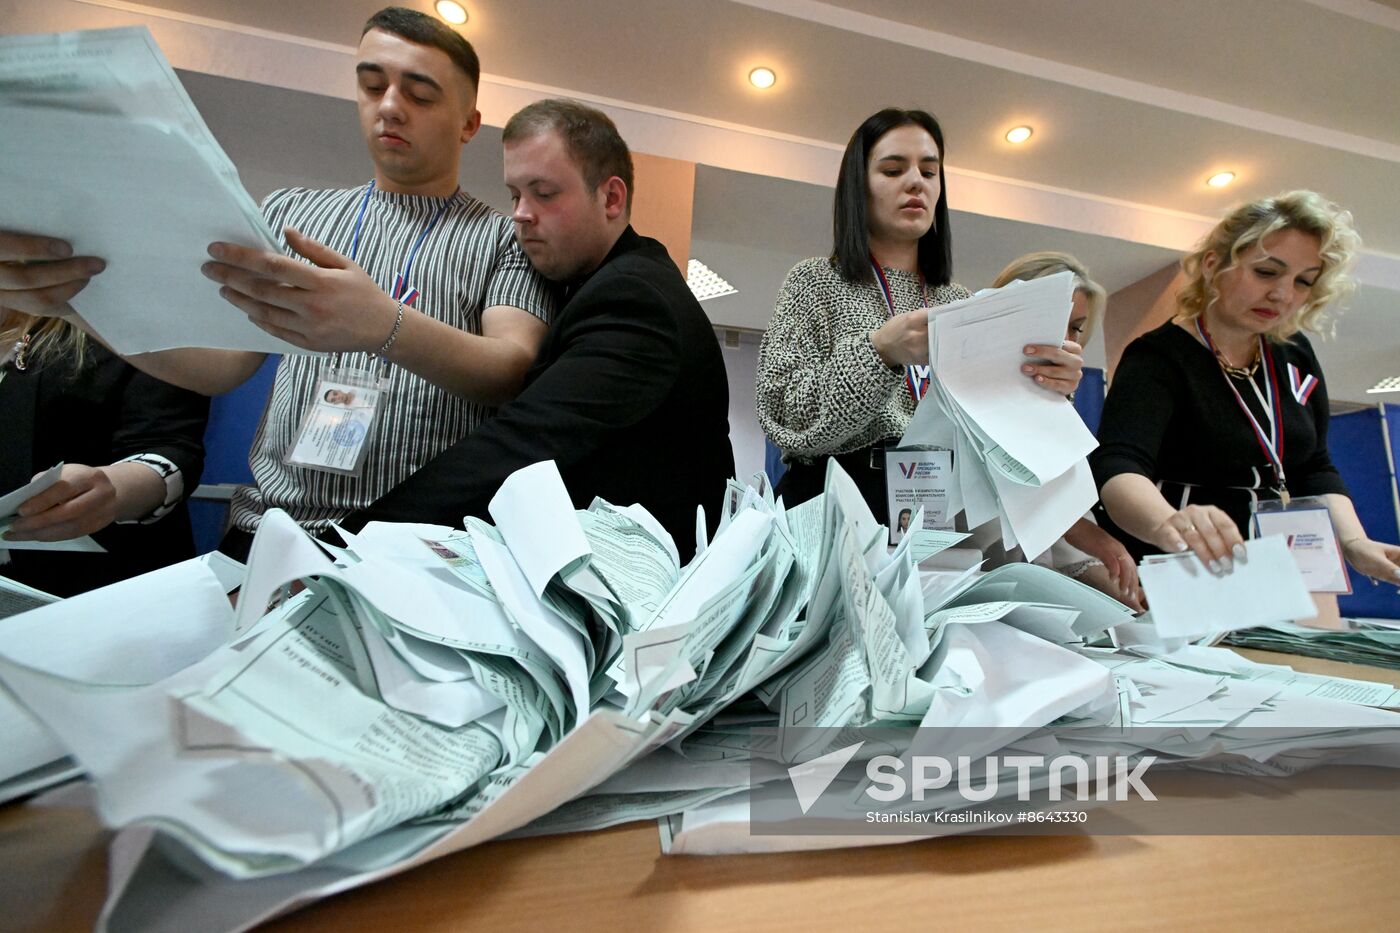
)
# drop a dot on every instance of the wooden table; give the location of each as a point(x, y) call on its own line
point(52, 877)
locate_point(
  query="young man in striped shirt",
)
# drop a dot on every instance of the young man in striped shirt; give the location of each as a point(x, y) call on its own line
point(406, 277)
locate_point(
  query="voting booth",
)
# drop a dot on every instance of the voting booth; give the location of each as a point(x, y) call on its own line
point(1365, 446)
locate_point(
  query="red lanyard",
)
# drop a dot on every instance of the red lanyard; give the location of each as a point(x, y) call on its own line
point(1272, 443)
point(916, 384)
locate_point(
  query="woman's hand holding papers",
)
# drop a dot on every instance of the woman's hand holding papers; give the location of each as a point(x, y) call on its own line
point(1204, 529)
point(87, 499)
point(903, 339)
point(39, 275)
point(330, 306)
point(1058, 368)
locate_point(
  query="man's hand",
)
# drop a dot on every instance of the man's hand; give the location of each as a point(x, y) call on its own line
point(1062, 369)
point(39, 275)
point(83, 500)
point(331, 306)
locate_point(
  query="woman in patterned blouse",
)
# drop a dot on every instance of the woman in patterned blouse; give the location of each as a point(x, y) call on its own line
point(845, 357)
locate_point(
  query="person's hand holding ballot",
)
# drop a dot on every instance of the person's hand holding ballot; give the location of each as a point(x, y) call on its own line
point(40, 275)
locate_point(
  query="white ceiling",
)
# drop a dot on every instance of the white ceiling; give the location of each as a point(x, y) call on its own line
point(1135, 103)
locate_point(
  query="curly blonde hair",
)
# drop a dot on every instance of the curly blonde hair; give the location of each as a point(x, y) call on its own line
point(1037, 265)
point(1248, 225)
point(50, 339)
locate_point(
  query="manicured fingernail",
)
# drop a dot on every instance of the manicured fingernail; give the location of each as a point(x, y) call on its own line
point(94, 266)
point(1395, 574)
point(1029, 351)
point(207, 270)
point(1028, 369)
point(1227, 564)
point(1214, 565)
point(1180, 546)
point(58, 249)
point(216, 250)
point(1040, 379)
point(1239, 551)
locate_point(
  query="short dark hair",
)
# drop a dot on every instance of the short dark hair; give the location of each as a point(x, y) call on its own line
point(850, 252)
point(590, 135)
point(425, 30)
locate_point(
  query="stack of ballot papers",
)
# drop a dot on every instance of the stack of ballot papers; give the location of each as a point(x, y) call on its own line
point(1363, 641)
point(102, 140)
point(1018, 449)
point(428, 688)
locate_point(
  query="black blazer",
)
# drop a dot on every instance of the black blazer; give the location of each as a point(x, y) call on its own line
point(96, 416)
point(628, 395)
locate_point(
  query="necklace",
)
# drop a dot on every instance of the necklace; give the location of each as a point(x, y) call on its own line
point(1239, 372)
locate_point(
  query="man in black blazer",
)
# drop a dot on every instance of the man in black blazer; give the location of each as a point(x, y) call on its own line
point(628, 394)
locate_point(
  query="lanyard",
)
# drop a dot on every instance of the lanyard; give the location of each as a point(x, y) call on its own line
point(401, 291)
point(1272, 443)
point(401, 280)
point(916, 383)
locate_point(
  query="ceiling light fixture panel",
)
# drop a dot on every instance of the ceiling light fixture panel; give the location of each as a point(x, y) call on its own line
point(1388, 384)
point(1220, 179)
point(706, 284)
point(1019, 134)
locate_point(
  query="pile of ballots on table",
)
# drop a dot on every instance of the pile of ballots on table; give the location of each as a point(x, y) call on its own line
point(427, 689)
point(1363, 641)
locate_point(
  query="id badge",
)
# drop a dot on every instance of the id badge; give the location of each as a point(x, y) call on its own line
point(917, 478)
point(1312, 540)
point(334, 434)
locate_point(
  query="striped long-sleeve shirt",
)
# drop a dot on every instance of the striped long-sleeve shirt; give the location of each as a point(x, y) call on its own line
point(467, 263)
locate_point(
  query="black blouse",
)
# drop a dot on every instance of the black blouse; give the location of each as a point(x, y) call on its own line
point(103, 412)
point(1170, 416)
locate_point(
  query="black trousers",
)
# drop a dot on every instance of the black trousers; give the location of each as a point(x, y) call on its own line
point(866, 467)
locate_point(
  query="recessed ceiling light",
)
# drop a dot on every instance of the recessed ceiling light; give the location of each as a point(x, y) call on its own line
point(454, 13)
point(1018, 134)
point(1220, 179)
point(705, 283)
point(763, 78)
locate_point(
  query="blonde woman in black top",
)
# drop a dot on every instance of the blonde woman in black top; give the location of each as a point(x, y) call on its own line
point(1226, 404)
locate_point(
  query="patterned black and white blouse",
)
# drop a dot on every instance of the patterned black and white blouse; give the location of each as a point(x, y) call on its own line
point(822, 388)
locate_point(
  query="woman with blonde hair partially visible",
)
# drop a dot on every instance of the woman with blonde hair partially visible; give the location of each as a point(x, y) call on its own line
point(132, 449)
point(1093, 556)
point(1225, 406)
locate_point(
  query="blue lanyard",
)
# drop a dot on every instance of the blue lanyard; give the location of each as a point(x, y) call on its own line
point(401, 281)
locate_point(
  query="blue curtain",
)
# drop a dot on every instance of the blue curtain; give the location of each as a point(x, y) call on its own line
point(1357, 444)
point(233, 420)
point(1088, 398)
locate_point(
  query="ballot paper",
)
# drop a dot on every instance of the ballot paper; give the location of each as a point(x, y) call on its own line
point(1363, 641)
point(1187, 599)
point(104, 141)
point(433, 688)
point(9, 511)
point(1018, 449)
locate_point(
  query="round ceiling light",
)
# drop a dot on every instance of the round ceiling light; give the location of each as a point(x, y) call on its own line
point(763, 78)
point(1019, 134)
point(454, 13)
point(1220, 179)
